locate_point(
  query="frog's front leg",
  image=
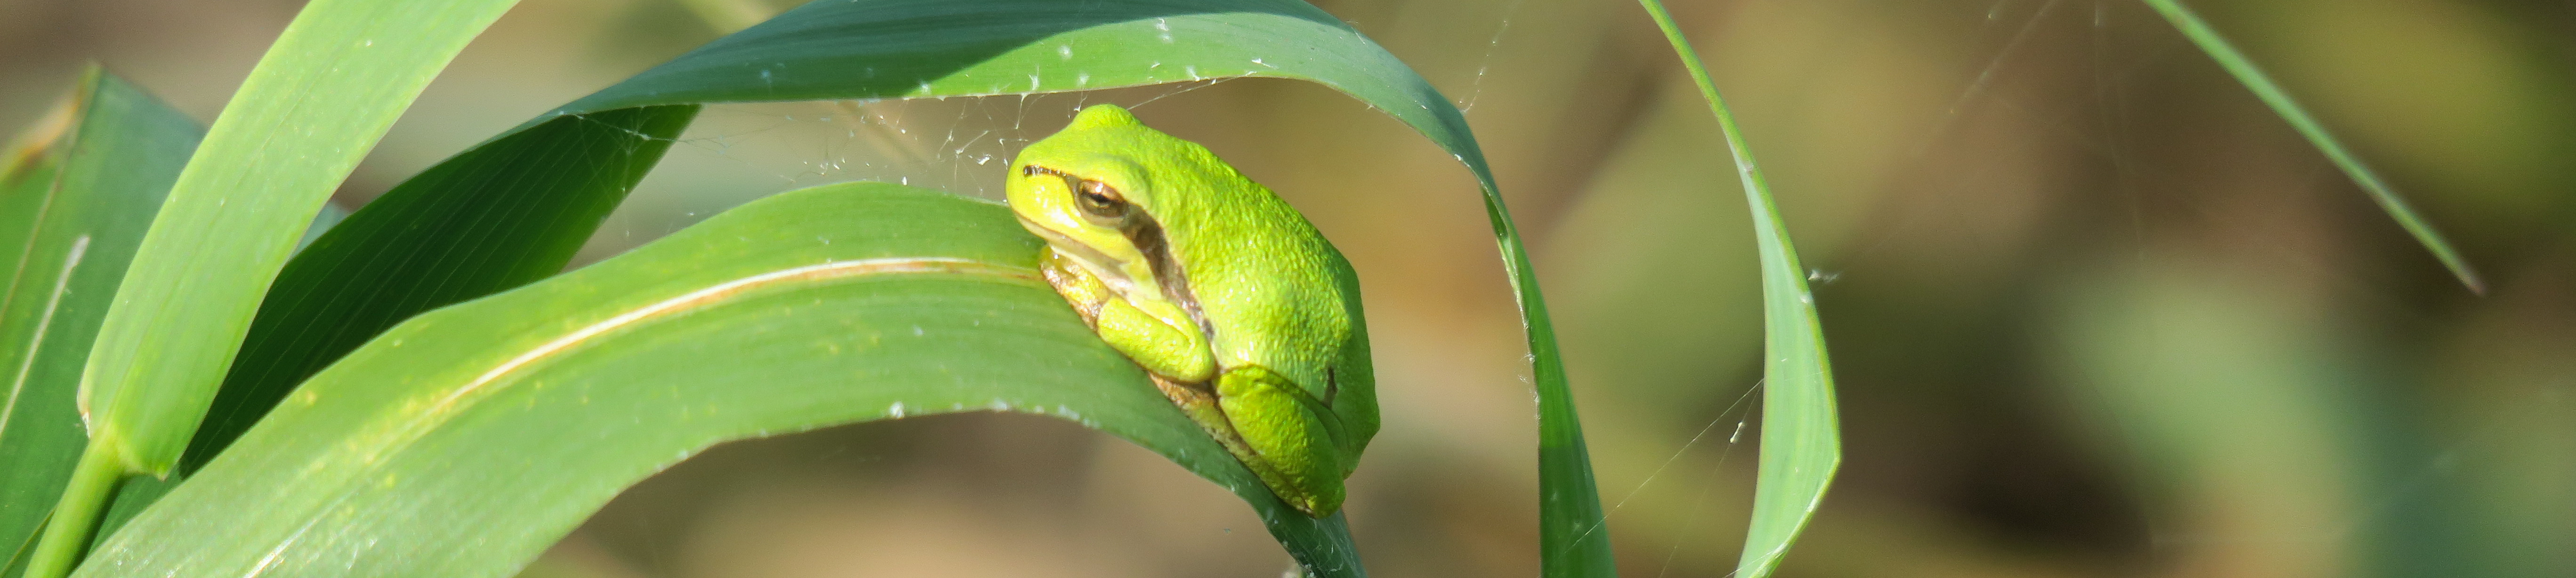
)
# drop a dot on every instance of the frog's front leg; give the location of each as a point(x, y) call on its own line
point(1167, 345)
point(1079, 287)
point(1288, 437)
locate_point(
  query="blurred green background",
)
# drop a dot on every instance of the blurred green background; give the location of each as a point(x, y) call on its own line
point(2096, 311)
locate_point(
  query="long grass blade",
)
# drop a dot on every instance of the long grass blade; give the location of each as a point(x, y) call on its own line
point(2255, 80)
point(1801, 436)
point(313, 106)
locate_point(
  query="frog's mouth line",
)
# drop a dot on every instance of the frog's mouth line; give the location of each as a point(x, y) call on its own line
point(1091, 258)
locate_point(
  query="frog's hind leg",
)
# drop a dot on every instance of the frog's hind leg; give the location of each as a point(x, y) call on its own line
point(1198, 402)
point(1284, 441)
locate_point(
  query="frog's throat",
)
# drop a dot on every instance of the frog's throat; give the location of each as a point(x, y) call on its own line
point(1147, 236)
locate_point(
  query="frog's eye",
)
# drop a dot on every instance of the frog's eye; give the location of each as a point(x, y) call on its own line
point(1100, 202)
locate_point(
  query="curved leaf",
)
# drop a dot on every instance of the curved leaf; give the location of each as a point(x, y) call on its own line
point(1801, 431)
point(837, 304)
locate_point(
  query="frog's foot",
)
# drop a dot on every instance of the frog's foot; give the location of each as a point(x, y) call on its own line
point(1283, 440)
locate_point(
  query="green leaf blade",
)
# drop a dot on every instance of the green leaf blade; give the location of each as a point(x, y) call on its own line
point(313, 106)
point(1801, 430)
point(2272, 95)
point(832, 305)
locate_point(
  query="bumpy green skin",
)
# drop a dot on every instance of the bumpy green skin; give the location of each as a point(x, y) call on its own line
point(1247, 318)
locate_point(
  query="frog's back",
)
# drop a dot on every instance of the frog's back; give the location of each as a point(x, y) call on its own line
point(1265, 269)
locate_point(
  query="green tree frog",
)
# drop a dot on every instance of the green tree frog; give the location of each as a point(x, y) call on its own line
point(1241, 312)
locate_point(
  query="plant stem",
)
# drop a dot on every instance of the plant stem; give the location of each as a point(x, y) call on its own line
point(67, 532)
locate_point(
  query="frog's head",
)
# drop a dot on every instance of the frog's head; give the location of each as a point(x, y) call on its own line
point(1087, 191)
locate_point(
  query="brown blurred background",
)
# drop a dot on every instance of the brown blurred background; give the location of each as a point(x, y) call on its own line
point(2095, 310)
